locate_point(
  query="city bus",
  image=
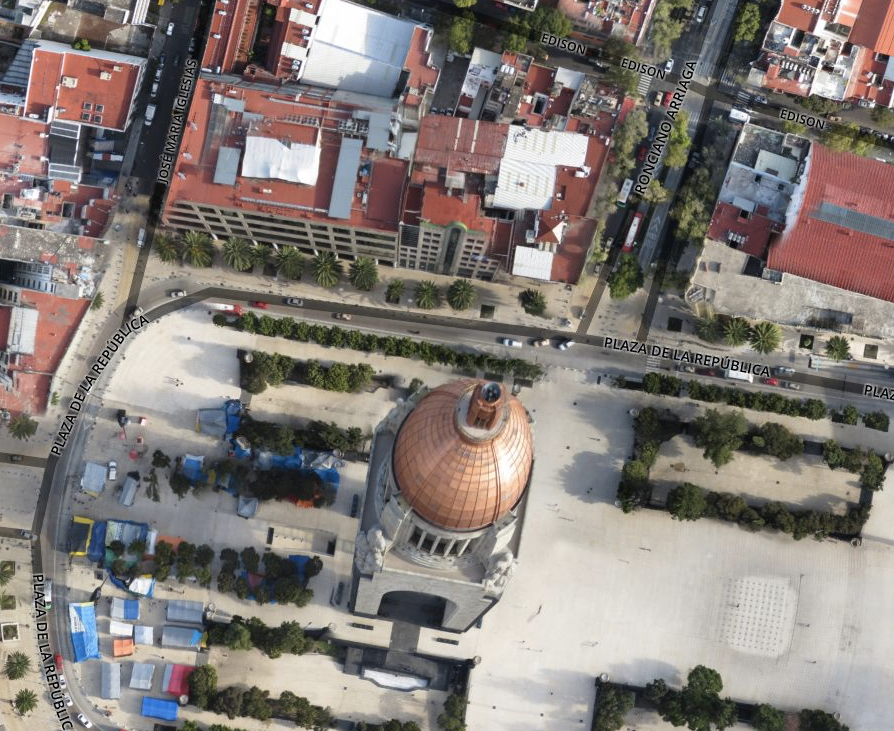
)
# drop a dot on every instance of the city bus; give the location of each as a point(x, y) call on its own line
point(625, 192)
point(631, 232)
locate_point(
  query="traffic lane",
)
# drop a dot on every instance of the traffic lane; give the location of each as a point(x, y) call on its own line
point(23, 459)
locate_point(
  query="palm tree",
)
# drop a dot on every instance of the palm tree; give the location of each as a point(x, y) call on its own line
point(709, 329)
point(197, 249)
point(838, 348)
point(98, 301)
point(326, 269)
point(363, 273)
point(736, 331)
point(460, 294)
point(427, 295)
point(237, 253)
point(167, 248)
point(7, 571)
point(765, 337)
point(26, 701)
point(394, 291)
point(17, 664)
point(260, 255)
point(289, 262)
point(22, 427)
point(533, 302)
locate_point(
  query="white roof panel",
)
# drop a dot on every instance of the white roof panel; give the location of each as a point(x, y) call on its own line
point(22, 331)
point(532, 263)
point(267, 158)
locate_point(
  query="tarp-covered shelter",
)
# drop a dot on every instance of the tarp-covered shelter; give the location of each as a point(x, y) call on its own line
point(122, 648)
point(175, 679)
point(84, 640)
point(79, 535)
point(110, 683)
point(141, 675)
point(246, 507)
point(144, 634)
point(183, 611)
point(180, 637)
point(159, 708)
point(94, 480)
point(96, 549)
point(128, 491)
point(220, 422)
point(120, 629)
point(191, 467)
point(128, 609)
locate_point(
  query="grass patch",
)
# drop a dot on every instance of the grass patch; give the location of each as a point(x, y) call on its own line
point(7, 601)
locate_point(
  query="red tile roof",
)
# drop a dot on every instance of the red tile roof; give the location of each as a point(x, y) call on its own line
point(874, 27)
point(442, 209)
point(757, 229)
point(93, 79)
point(461, 145)
point(793, 14)
point(832, 253)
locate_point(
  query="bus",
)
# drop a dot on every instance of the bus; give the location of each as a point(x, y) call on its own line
point(631, 233)
point(625, 192)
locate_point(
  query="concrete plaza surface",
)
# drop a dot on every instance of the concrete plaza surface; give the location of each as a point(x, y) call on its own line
point(796, 624)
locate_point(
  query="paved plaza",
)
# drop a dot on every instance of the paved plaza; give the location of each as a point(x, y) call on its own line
point(795, 624)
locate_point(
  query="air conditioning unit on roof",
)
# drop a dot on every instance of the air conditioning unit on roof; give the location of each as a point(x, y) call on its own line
point(70, 82)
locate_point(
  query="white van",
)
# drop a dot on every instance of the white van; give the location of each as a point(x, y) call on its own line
point(154, 89)
point(141, 238)
point(150, 114)
point(702, 11)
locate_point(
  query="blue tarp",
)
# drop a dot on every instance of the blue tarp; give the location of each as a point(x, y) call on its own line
point(159, 708)
point(84, 641)
point(329, 476)
point(142, 585)
point(192, 468)
point(131, 609)
point(97, 548)
point(278, 461)
point(233, 410)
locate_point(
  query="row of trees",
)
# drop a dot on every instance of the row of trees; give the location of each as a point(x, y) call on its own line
point(868, 465)
point(186, 560)
point(304, 486)
point(281, 581)
point(757, 400)
point(336, 337)
point(626, 278)
point(17, 667)
point(763, 337)
point(272, 369)
point(234, 701)
point(453, 717)
point(318, 436)
point(691, 502)
point(246, 634)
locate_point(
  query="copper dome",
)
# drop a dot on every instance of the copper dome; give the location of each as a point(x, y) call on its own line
point(463, 456)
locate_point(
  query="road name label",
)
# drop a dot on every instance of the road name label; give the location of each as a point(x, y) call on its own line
point(878, 392)
point(648, 69)
point(806, 119)
point(175, 128)
point(74, 408)
point(47, 661)
point(563, 44)
point(686, 356)
point(664, 129)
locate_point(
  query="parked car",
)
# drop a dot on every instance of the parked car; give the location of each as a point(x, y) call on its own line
point(177, 293)
point(641, 155)
point(28, 534)
point(295, 301)
point(685, 368)
point(85, 722)
point(783, 371)
point(565, 344)
point(15, 458)
point(770, 381)
point(510, 343)
point(170, 30)
point(760, 99)
point(669, 66)
point(338, 593)
point(260, 305)
point(668, 96)
point(68, 701)
point(113, 470)
point(58, 661)
point(700, 15)
point(793, 386)
point(539, 342)
point(134, 311)
point(63, 683)
point(343, 316)
point(706, 372)
point(157, 74)
point(355, 506)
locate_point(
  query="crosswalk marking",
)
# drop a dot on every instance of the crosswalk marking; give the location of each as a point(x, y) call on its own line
point(642, 88)
point(653, 363)
point(743, 97)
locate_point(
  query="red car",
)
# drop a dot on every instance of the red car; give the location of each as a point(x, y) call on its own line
point(259, 305)
point(771, 381)
point(58, 660)
point(641, 155)
point(667, 99)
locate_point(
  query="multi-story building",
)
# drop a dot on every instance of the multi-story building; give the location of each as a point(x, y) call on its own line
point(838, 49)
point(628, 20)
point(312, 147)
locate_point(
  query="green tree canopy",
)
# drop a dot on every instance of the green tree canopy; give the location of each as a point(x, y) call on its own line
point(166, 248)
point(736, 331)
point(720, 434)
point(460, 32)
point(460, 294)
point(363, 273)
point(197, 249)
point(25, 701)
point(748, 23)
point(22, 427)
point(533, 302)
point(687, 502)
point(427, 295)
point(766, 337)
point(326, 269)
point(679, 142)
point(838, 348)
point(17, 665)
point(237, 254)
point(767, 718)
point(289, 262)
point(780, 442)
point(626, 278)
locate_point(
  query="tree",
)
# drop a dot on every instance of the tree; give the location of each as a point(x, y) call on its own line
point(17, 665)
point(634, 488)
point(250, 559)
point(98, 301)
point(666, 30)
point(765, 337)
point(237, 253)
point(136, 547)
point(655, 193)
point(229, 701)
point(612, 705)
point(709, 328)
point(679, 142)
point(736, 331)
point(872, 476)
point(626, 137)
point(394, 291)
point(197, 249)
point(838, 348)
point(687, 502)
point(533, 302)
point(427, 295)
point(882, 116)
point(720, 435)
point(204, 555)
point(326, 269)
point(22, 427)
point(790, 127)
point(25, 701)
point(461, 32)
point(767, 718)
point(460, 294)
point(289, 262)
point(363, 273)
point(167, 248)
point(464, 3)
point(814, 720)
point(780, 442)
point(876, 420)
point(850, 415)
point(202, 684)
point(748, 23)
point(626, 278)
point(549, 20)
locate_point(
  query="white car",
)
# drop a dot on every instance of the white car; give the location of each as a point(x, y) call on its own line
point(170, 30)
point(113, 470)
point(177, 293)
point(87, 723)
point(63, 683)
point(669, 66)
point(68, 701)
point(510, 343)
point(565, 344)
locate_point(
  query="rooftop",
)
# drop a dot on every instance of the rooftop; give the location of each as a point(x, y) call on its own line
point(874, 27)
